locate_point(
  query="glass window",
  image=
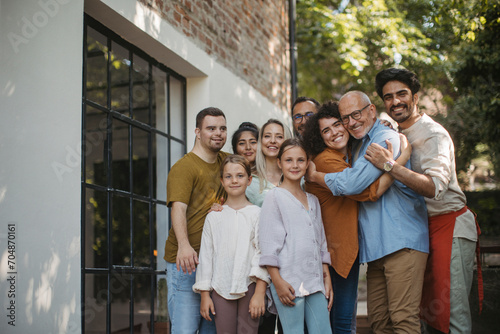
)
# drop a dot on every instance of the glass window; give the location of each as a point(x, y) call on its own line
point(133, 131)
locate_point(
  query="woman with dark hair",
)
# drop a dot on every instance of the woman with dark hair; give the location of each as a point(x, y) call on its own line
point(328, 143)
point(244, 142)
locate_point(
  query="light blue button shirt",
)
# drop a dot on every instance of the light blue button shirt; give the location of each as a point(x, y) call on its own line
point(398, 219)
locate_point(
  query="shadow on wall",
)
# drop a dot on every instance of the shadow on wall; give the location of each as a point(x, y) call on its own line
point(33, 290)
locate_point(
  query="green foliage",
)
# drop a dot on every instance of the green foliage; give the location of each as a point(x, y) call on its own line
point(486, 204)
point(452, 45)
point(342, 49)
point(476, 72)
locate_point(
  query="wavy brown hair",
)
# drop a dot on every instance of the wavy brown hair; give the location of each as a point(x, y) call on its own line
point(312, 139)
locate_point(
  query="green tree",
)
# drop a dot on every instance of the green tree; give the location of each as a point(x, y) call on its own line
point(342, 48)
point(474, 117)
point(451, 44)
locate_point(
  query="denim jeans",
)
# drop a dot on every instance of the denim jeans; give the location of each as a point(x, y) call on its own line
point(313, 309)
point(184, 304)
point(345, 294)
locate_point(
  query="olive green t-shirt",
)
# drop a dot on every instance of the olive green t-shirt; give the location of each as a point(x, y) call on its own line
point(196, 183)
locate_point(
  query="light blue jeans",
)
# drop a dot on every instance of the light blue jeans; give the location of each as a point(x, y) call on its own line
point(184, 304)
point(313, 309)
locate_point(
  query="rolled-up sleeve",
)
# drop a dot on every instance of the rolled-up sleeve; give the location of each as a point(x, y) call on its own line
point(353, 181)
point(272, 232)
point(437, 163)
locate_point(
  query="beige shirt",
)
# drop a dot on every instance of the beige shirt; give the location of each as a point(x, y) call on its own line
point(434, 155)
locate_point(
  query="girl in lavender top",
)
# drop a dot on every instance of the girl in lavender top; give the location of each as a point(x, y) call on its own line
point(293, 248)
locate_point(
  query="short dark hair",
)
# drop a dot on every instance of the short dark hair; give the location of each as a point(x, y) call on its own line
point(245, 126)
point(313, 141)
point(210, 111)
point(301, 99)
point(396, 74)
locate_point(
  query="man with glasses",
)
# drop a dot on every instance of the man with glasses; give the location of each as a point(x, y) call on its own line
point(393, 233)
point(302, 109)
point(452, 227)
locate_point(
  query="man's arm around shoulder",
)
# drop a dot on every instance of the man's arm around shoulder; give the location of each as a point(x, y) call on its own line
point(420, 183)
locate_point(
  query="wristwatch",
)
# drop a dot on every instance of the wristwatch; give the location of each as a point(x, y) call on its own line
point(388, 165)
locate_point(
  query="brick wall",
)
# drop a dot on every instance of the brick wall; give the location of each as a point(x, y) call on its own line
point(249, 37)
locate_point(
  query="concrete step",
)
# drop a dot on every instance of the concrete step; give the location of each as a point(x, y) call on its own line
point(362, 325)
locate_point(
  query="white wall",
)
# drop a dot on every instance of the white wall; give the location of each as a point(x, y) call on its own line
point(40, 138)
point(40, 135)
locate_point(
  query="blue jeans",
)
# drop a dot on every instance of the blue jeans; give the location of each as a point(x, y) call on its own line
point(345, 295)
point(184, 304)
point(313, 309)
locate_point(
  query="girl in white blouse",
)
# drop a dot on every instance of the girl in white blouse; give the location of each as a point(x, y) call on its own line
point(294, 250)
point(231, 282)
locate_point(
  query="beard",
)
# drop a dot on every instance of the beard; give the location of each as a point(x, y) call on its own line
point(404, 115)
point(216, 146)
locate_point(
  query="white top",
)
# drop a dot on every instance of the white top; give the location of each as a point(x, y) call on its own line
point(433, 154)
point(253, 193)
point(230, 253)
point(293, 239)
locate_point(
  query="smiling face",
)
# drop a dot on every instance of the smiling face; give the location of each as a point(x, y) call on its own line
point(293, 163)
point(235, 179)
point(272, 138)
point(352, 102)
point(399, 103)
point(306, 109)
point(213, 133)
point(247, 146)
point(334, 134)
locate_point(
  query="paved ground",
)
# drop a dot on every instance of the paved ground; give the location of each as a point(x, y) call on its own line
point(362, 290)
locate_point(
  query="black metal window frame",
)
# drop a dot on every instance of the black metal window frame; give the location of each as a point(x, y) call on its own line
point(150, 198)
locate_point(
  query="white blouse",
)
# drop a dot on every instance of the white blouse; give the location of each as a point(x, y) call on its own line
point(230, 254)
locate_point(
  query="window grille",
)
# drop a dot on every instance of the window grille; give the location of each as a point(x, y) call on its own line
point(133, 131)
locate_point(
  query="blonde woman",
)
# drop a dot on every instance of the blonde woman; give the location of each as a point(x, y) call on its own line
point(272, 134)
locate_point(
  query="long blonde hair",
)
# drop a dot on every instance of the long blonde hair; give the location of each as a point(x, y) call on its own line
point(260, 160)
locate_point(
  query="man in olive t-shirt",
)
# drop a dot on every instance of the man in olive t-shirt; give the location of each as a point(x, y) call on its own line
point(193, 185)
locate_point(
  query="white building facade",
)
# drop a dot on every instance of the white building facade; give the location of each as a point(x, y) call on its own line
point(97, 100)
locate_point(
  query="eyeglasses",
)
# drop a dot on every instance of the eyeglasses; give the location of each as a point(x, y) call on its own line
point(299, 117)
point(356, 114)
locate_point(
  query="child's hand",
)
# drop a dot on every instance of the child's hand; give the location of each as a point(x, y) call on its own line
point(257, 306)
point(285, 292)
point(311, 169)
point(328, 286)
point(206, 305)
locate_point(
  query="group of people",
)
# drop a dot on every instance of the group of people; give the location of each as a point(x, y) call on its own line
point(282, 225)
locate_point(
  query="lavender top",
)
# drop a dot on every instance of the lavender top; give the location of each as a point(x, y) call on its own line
point(293, 239)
